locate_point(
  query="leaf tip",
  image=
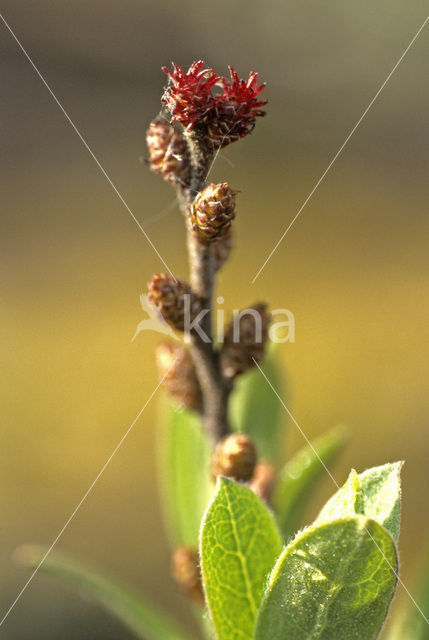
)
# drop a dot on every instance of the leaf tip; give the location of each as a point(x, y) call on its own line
point(222, 481)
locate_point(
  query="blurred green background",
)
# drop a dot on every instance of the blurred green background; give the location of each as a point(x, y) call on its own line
point(354, 268)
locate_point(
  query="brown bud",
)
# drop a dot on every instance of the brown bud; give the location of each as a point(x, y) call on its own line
point(212, 212)
point(221, 250)
point(175, 363)
point(235, 457)
point(221, 132)
point(244, 340)
point(168, 296)
point(168, 152)
point(187, 573)
point(263, 479)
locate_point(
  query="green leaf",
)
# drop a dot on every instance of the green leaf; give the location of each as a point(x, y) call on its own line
point(145, 620)
point(375, 493)
point(302, 475)
point(255, 409)
point(184, 473)
point(333, 582)
point(239, 545)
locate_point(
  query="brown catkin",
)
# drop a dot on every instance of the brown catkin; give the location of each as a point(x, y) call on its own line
point(242, 347)
point(167, 294)
point(235, 457)
point(168, 155)
point(221, 132)
point(263, 480)
point(212, 212)
point(176, 367)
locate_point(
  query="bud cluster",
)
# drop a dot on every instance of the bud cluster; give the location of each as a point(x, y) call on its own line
point(206, 113)
point(212, 212)
point(177, 369)
point(225, 116)
point(172, 297)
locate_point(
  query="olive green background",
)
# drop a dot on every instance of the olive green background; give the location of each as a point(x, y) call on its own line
point(353, 269)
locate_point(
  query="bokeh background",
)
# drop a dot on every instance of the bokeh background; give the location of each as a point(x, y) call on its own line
point(354, 268)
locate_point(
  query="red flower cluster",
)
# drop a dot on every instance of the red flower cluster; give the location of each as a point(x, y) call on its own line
point(189, 95)
point(239, 98)
point(228, 115)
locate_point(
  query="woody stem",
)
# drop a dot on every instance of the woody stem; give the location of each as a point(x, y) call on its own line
point(215, 389)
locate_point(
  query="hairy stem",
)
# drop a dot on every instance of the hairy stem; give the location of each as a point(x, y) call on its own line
point(215, 389)
point(200, 156)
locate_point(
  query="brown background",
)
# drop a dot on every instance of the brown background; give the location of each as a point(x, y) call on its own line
point(354, 269)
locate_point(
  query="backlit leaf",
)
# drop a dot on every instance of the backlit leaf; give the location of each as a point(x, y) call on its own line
point(375, 493)
point(334, 581)
point(239, 545)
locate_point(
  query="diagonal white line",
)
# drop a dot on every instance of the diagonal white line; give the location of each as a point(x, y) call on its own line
point(87, 147)
point(85, 495)
point(338, 487)
point(322, 177)
point(297, 425)
point(162, 214)
point(216, 155)
point(219, 149)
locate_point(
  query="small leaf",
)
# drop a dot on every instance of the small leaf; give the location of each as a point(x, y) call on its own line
point(255, 409)
point(375, 493)
point(333, 582)
point(184, 473)
point(145, 620)
point(239, 545)
point(302, 475)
